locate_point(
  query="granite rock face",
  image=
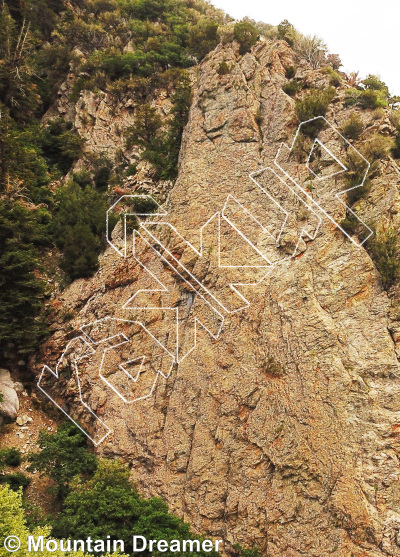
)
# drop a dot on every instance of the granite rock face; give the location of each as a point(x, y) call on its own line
point(280, 429)
point(9, 405)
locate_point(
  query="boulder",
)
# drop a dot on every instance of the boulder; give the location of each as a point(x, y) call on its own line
point(10, 404)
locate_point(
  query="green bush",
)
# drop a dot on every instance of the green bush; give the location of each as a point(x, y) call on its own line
point(352, 96)
point(353, 127)
point(396, 147)
point(10, 457)
point(14, 522)
point(374, 83)
point(15, 480)
point(82, 178)
point(223, 68)
point(334, 77)
point(292, 87)
point(354, 177)
point(144, 205)
point(132, 223)
point(315, 103)
point(349, 223)
point(62, 456)
point(108, 502)
point(241, 551)
point(371, 99)
point(366, 99)
point(102, 175)
point(286, 32)
point(384, 250)
point(273, 368)
point(246, 34)
point(378, 147)
point(290, 72)
point(375, 95)
point(378, 114)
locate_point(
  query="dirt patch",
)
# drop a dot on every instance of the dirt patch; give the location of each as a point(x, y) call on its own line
point(24, 437)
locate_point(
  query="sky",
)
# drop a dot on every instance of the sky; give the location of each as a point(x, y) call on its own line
point(365, 34)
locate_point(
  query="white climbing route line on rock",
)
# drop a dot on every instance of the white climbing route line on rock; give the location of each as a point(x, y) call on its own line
point(174, 296)
point(285, 152)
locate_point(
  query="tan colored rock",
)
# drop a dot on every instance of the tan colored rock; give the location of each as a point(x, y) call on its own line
point(9, 405)
point(300, 462)
point(22, 420)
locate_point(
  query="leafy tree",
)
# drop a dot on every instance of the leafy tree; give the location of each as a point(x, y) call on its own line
point(13, 523)
point(145, 129)
point(312, 48)
point(16, 9)
point(81, 249)
point(375, 95)
point(63, 455)
point(334, 61)
point(109, 503)
point(22, 168)
point(102, 174)
point(370, 98)
point(10, 149)
point(203, 37)
point(374, 83)
point(286, 32)
point(181, 101)
point(246, 34)
point(153, 10)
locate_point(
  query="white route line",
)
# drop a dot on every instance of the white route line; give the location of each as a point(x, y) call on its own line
point(162, 213)
point(76, 373)
point(189, 278)
point(163, 288)
point(338, 194)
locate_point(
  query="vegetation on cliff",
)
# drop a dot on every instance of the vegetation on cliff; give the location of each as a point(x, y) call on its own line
point(133, 46)
point(96, 497)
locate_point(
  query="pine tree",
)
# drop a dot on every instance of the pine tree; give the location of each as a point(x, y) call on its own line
point(21, 290)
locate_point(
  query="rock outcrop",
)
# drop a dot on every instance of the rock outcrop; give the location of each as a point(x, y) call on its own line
point(9, 404)
point(283, 432)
